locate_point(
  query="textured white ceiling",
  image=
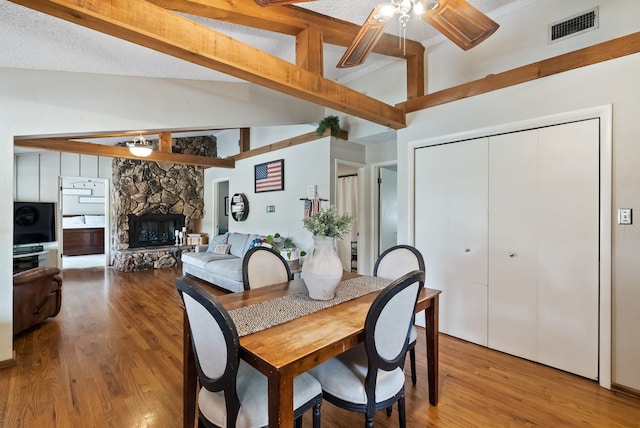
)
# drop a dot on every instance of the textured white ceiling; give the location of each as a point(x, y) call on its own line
point(32, 40)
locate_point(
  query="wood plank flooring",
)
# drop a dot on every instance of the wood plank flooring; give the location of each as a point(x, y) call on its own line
point(113, 358)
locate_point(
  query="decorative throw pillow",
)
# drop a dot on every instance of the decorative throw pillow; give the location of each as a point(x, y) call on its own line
point(218, 239)
point(221, 249)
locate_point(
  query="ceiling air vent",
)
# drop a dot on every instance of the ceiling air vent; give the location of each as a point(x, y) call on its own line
point(577, 24)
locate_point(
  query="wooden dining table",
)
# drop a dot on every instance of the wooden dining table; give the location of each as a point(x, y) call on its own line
point(284, 351)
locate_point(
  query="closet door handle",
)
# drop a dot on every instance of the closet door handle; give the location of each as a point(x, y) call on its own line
point(467, 250)
point(512, 254)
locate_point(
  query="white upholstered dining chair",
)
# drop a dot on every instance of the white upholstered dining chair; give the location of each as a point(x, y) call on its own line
point(232, 393)
point(393, 263)
point(370, 377)
point(262, 266)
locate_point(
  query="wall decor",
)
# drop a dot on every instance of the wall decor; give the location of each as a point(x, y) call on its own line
point(239, 207)
point(269, 176)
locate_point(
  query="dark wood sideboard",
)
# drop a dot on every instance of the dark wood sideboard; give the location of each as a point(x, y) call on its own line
point(83, 241)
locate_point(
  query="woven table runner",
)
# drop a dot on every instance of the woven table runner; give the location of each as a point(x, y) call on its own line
point(253, 318)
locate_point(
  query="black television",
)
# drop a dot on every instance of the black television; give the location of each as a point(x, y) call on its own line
point(34, 222)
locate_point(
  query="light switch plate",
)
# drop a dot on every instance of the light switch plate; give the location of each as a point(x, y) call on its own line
point(624, 215)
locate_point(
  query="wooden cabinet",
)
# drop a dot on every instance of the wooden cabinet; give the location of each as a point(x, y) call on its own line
point(83, 241)
point(509, 227)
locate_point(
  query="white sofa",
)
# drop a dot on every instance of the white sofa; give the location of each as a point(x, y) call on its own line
point(221, 270)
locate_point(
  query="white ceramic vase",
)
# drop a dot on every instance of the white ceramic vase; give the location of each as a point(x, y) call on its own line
point(322, 269)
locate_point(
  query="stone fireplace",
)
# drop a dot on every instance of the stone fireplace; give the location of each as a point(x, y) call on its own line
point(151, 200)
point(154, 230)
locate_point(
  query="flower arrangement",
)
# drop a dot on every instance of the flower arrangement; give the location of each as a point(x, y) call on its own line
point(328, 223)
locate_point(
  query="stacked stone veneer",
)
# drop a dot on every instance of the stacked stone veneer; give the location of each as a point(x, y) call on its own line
point(144, 187)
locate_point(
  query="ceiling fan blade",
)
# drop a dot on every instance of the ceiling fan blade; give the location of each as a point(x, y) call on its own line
point(278, 2)
point(365, 40)
point(461, 23)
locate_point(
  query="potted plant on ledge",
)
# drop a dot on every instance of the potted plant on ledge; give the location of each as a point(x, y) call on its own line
point(287, 249)
point(329, 122)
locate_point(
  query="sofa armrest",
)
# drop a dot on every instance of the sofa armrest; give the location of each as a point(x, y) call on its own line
point(201, 248)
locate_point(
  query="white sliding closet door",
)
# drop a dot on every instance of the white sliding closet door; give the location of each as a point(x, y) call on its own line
point(451, 232)
point(513, 243)
point(509, 227)
point(568, 247)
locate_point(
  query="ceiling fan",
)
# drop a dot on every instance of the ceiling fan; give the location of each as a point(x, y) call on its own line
point(457, 20)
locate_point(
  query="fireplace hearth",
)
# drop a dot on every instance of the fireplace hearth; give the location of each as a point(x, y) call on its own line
point(153, 230)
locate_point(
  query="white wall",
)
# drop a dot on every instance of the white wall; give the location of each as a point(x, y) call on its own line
point(522, 39)
point(305, 164)
point(614, 82)
point(42, 103)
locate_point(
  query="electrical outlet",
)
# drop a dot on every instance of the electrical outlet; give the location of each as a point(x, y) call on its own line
point(624, 216)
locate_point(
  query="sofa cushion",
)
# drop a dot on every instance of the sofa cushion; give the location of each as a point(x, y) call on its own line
point(238, 242)
point(218, 239)
point(201, 260)
point(230, 268)
point(221, 249)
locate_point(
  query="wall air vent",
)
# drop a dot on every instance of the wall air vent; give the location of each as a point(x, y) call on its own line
point(577, 24)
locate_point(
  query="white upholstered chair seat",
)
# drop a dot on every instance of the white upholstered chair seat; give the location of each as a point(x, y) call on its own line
point(343, 377)
point(253, 396)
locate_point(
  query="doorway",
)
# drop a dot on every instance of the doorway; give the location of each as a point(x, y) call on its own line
point(387, 207)
point(347, 202)
point(84, 226)
point(221, 206)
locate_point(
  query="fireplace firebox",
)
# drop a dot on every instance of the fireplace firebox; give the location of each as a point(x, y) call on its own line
point(152, 230)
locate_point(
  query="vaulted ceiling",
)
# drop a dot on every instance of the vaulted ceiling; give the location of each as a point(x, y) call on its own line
point(252, 43)
point(291, 49)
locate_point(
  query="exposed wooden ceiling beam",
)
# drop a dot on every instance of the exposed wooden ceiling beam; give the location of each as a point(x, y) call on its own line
point(289, 20)
point(622, 46)
point(70, 146)
point(165, 143)
point(309, 52)
point(245, 140)
point(148, 25)
point(289, 142)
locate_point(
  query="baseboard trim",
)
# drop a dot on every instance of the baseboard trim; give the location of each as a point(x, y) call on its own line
point(10, 362)
point(625, 390)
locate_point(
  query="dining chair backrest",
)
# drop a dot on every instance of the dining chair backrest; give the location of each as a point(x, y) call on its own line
point(215, 343)
point(388, 322)
point(398, 260)
point(393, 263)
point(263, 266)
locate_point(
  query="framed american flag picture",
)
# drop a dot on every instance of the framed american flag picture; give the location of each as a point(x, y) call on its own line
point(269, 176)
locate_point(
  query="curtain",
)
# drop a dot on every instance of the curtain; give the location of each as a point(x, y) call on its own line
point(347, 203)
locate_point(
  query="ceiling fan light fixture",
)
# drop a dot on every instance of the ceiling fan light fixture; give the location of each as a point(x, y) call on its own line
point(386, 12)
point(140, 147)
point(420, 7)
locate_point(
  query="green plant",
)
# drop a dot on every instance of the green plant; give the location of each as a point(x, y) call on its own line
point(328, 222)
point(283, 245)
point(330, 122)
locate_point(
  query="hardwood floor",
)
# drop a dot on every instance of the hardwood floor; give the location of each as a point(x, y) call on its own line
point(113, 358)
